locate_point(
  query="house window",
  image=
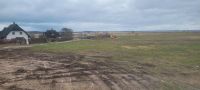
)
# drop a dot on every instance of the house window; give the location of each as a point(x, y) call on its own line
point(13, 33)
point(20, 33)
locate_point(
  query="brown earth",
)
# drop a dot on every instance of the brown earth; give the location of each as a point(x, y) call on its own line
point(25, 70)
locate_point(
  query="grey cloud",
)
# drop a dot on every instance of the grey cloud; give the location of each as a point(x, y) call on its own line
point(102, 14)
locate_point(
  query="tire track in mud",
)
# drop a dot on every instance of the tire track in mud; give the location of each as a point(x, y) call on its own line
point(72, 69)
point(113, 79)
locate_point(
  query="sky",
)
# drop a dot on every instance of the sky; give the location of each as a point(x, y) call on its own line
point(101, 15)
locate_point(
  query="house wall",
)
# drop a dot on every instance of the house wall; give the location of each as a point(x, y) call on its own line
point(17, 34)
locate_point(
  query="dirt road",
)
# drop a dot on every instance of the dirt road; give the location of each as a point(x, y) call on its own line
point(25, 70)
point(5, 47)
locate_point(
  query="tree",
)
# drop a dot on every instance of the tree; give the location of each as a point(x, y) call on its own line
point(67, 33)
point(51, 34)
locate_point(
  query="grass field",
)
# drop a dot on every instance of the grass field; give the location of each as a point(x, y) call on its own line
point(174, 58)
point(139, 61)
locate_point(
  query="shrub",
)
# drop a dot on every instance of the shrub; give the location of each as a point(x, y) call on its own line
point(38, 40)
point(104, 35)
point(4, 41)
point(98, 36)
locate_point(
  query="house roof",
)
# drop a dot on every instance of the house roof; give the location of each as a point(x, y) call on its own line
point(12, 27)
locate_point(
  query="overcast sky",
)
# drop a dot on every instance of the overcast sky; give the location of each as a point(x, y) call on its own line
point(101, 15)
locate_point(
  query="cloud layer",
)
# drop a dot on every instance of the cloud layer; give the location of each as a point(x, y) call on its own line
point(101, 15)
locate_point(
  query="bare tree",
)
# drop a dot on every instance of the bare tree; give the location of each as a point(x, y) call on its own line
point(67, 33)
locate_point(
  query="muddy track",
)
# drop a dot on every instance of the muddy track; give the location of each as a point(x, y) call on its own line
point(24, 70)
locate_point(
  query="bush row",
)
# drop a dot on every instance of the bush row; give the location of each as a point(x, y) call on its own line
point(2, 41)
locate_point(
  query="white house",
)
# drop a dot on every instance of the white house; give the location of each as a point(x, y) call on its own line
point(13, 31)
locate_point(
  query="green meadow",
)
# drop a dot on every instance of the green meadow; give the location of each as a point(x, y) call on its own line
point(174, 58)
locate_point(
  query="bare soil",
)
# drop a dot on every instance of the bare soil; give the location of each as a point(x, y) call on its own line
point(25, 70)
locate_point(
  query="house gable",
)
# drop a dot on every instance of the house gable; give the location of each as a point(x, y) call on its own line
point(10, 28)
